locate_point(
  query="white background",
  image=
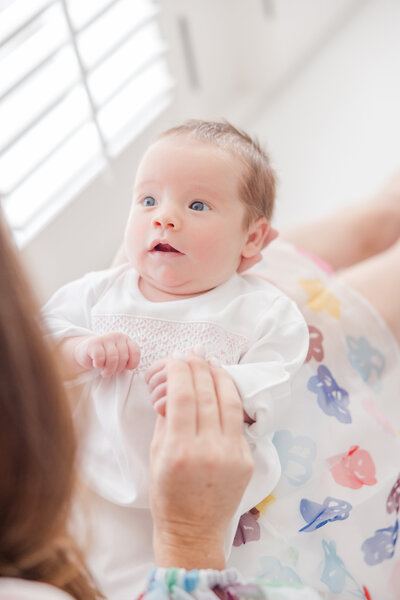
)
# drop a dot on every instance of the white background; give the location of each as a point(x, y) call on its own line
point(318, 81)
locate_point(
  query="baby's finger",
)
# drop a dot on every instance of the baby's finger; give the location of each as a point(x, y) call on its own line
point(157, 379)
point(98, 355)
point(155, 367)
point(134, 355)
point(123, 355)
point(159, 392)
point(112, 358)
point(230, 404)
point(161, 406)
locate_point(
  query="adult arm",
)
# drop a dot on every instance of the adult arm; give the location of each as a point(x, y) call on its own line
point(200, 466)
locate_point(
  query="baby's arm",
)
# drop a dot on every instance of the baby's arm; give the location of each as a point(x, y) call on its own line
point(112, 353)
point(263, 375)
point(68, 317)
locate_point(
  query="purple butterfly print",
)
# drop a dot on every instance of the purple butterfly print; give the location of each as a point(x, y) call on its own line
point(241, 591)
point(331, 398)
point(248, 529)
point(315, 348)
point(393, 501)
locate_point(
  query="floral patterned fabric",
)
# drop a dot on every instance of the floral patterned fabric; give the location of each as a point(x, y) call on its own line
point(332, 521)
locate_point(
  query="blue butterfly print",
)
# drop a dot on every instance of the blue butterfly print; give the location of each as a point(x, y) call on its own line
point(273, 571)
point(381, 546)
point(317, 515)
point(331, 398)
point(335, 575)
point(366, 360)
point(296, 455)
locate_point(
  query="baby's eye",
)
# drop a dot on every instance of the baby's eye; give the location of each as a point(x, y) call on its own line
point(197, 205)
point(148, 201)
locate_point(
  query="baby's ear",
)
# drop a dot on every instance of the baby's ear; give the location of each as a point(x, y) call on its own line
point(256, 236)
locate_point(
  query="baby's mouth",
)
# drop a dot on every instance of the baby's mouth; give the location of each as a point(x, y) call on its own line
point(165, 248)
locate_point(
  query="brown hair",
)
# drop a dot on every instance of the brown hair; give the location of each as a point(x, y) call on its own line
point(37, 445)
point(258, 184)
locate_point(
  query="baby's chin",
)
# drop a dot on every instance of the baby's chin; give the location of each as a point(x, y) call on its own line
point(163, 282)
point(167, 289)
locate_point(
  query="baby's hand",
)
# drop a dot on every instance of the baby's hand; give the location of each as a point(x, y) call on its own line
point(156, 379)
point(113, 353)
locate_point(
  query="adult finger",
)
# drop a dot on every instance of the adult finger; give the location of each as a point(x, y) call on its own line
point(229, 402)
point(208, 419)
point(182, 410)
point(158, 437)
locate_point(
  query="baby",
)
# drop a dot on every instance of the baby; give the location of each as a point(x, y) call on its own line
point(202, 202)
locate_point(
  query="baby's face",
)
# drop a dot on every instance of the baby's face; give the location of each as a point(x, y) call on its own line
point(185, 233)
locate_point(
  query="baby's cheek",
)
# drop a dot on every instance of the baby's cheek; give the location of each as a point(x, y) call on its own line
point(215, 252)
point(135, 237)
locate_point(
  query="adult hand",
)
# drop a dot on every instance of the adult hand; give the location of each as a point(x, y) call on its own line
point(200, 465)
point(246, 263)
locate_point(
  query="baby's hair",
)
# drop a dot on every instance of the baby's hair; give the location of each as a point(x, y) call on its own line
point(257, 190)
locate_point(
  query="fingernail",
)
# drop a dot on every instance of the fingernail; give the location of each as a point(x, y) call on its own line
point(199, 351)
point(214, 362)
point(178, 355)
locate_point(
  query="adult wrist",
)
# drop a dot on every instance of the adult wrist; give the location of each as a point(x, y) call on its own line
point(188, 551)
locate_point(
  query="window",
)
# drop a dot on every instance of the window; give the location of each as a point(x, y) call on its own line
point(79, 79)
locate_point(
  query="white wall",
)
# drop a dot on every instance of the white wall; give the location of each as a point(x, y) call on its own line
point(275, 67)
point(334, 129)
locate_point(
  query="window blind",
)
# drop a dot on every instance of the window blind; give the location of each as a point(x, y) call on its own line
point(79, 79)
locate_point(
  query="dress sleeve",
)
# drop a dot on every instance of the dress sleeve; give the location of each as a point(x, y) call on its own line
point(68, 312)
point(208, 584)
point(263, 375)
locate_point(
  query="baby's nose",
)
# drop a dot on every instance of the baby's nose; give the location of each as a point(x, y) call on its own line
point(166, 221)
